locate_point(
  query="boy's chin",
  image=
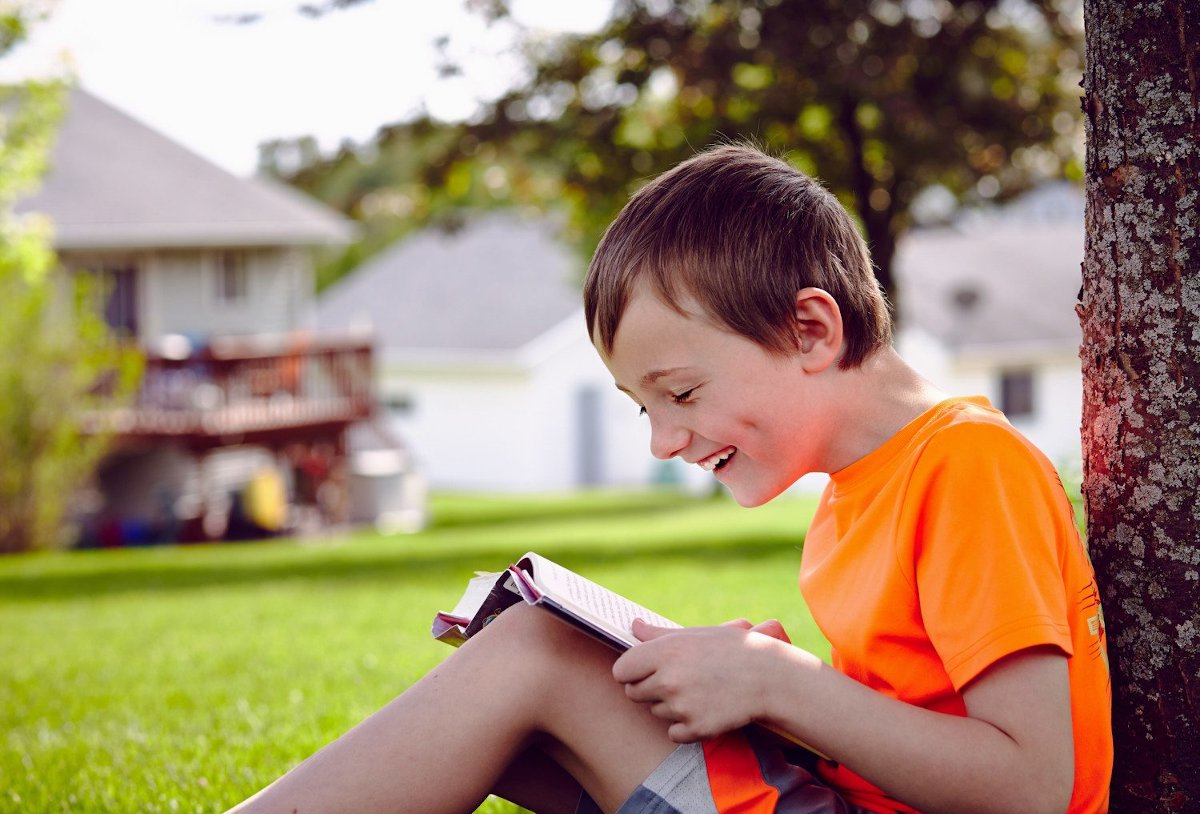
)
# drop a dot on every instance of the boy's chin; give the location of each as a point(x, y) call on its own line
point(748, 497)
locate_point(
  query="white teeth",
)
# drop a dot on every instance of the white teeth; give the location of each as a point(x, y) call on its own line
point(710, 463)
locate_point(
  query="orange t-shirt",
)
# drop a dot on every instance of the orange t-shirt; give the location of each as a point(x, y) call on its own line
point(947, 548)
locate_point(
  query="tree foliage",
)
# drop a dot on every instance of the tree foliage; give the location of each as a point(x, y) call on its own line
point(881, 99)
point(56, 357)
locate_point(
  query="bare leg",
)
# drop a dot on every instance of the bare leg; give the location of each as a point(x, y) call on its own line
point(526, 680)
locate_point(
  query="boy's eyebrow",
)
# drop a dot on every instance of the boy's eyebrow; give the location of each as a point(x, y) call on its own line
point(651, 377)
point(655, 375)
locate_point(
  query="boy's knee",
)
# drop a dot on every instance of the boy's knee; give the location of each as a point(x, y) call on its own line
point(521, 619)
point(538, 638)
point(532, 626)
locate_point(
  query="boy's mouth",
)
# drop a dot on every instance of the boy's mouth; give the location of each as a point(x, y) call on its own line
point(717, 460)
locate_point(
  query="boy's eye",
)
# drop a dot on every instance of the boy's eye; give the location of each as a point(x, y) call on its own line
point(679, 398)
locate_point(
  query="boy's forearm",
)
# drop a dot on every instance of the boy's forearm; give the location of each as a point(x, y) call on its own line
point(932, 761)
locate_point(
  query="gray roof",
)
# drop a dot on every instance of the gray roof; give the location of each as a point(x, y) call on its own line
point(116, 183)
point(494, 285)
point(1008, 279)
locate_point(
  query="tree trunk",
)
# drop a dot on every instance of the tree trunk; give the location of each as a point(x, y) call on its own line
point(878, 227)
point(1140, 313)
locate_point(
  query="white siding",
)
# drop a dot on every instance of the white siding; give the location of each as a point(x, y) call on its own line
point(515, 425)
point(467, 430)
point(152, 296)
point(623, 438)
point(180, 294)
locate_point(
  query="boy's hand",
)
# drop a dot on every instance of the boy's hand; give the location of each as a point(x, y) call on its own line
point(703, 681)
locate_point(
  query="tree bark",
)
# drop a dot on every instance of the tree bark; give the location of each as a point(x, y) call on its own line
point(1140, 313)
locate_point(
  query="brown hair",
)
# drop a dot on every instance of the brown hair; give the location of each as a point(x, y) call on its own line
point(742, 232)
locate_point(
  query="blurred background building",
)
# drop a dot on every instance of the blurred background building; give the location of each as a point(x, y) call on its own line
point(991, 310)
point(421, 325)
point(484, 361)
point(242, 410)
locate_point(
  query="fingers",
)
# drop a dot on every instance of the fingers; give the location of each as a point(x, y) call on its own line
point(681, 727)
point(637, 663)
point(682, 681)
point(680, 732)
point(641, 692)
point(631, 667)
point(645, 632)
point(772, 628)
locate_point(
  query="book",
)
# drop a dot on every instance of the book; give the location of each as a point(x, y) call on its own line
point(594, 609)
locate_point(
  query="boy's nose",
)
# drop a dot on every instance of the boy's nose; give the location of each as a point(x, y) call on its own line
point(667, 439)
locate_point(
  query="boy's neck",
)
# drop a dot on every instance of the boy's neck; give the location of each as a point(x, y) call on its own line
point(880, 398)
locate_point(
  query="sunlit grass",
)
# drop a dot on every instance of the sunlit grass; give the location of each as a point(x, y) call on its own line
point(185, 678)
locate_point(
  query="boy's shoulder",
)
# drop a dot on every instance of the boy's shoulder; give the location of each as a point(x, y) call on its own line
point(959, 436)
point(970, 427)
point(972, 446)
point(963, 441)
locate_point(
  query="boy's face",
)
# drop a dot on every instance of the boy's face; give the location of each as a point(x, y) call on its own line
point(717, 399)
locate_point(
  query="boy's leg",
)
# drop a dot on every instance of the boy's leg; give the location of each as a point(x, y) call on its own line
point(526, 680)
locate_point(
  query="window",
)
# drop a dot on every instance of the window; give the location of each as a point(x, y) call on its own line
point(1016, 393)
point(231, 278)
point(119, 293)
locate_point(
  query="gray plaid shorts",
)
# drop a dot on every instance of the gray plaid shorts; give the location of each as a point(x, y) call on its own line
point(680, 786)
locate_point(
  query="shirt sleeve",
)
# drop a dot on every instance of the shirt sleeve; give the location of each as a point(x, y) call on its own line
point(987, 549)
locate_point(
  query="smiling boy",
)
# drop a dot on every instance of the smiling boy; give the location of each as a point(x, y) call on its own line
point(733, 301)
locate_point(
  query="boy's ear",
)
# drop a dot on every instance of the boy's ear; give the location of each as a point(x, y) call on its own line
point(818, 329)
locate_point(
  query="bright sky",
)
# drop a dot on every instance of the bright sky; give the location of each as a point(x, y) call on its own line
point(221, 88)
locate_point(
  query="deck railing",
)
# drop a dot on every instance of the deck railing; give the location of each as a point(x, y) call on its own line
point(243, 385)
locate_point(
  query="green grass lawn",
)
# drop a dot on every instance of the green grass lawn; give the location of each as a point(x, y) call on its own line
point(185, 678)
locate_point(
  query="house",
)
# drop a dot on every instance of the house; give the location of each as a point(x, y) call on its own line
point(211, 276)
point(988, 307)
point(484, 361)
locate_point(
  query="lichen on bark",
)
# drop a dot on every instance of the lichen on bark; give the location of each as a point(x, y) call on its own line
point(1140, 314)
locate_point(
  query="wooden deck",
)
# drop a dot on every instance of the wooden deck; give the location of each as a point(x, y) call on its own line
point(247, 389)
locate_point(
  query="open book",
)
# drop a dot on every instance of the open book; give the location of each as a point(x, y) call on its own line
point(576, 600)
point(592, 608)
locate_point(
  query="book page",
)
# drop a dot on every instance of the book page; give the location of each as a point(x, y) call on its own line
point(595, 600)
point(502, 595)
point(477, 591)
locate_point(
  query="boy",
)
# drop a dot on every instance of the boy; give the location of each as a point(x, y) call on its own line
point(733, 301)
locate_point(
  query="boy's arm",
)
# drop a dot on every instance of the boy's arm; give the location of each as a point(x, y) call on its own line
point(1014, 751)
